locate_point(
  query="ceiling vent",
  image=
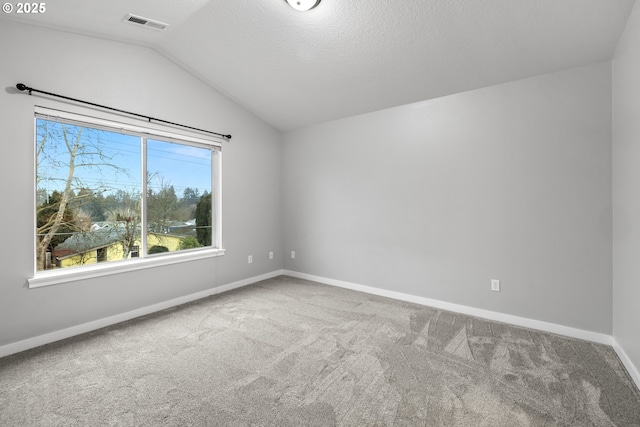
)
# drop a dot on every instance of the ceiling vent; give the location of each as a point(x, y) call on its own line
point(145, 22)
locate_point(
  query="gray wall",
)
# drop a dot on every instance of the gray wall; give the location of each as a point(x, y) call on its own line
point(434, 199)
point(626, 190)
point(137, 79)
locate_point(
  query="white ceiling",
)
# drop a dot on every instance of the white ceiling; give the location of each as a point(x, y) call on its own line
point(344, 57)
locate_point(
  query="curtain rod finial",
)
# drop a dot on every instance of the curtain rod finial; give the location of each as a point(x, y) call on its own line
point(21, 86)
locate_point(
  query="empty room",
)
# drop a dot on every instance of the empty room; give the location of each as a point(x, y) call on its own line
point(320, 212)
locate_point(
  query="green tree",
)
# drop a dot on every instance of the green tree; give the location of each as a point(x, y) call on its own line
point(158, 249)
point(189, 242)
point(203, 219)
point(190, 196)
point(91, 203)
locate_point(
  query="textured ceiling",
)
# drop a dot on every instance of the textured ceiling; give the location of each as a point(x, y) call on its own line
point(344, 58)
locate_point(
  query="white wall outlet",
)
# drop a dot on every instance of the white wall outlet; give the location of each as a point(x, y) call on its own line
point(250, 260)
point(293, 254)
point(495, 285)
point(271, 255)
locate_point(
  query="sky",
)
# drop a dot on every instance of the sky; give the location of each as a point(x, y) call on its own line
point(119, 165)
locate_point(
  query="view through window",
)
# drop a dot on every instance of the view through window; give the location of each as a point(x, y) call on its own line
point(105, 194)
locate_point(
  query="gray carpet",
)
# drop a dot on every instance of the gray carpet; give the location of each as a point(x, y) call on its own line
point(289, 352)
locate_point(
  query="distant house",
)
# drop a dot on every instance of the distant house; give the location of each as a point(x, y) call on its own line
point(106, 242)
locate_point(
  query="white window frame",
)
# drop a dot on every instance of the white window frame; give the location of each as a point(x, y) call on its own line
point(65, 275)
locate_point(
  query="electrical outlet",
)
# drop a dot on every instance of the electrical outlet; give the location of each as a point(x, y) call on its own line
point(495, 285)
point(271, 255)
point(293, 254)
point(250, 259)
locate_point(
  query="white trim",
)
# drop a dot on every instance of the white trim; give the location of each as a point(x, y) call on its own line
point(65, 275)
point(23, 345)
point(633, 371)
point(216, 187)
point(28, 343)
point(463, 309)
point(58, 276)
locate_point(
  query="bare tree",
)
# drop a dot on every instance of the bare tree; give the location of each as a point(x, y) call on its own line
point(161, 205)
point(127, 222)
point(61, 150)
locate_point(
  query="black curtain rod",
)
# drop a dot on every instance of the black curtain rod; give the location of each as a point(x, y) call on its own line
point(22, 87)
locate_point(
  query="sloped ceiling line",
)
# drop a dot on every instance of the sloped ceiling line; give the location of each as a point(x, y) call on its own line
point(295, 69)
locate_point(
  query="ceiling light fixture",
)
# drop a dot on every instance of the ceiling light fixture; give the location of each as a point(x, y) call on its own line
point(303, 4)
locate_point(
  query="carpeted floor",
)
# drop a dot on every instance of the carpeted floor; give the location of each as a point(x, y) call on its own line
point(289, 352)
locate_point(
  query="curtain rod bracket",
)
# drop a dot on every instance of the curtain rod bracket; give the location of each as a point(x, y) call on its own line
point(22, 87)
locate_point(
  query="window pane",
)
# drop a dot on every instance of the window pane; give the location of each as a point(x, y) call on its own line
point(87, 199)
point(178, 196)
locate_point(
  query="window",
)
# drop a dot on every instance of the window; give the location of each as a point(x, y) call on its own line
point(114, 193)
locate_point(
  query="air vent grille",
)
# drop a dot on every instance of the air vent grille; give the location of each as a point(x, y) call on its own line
point(149, 23)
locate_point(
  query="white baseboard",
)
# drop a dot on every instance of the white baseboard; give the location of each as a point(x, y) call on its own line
point(463, 309)
point(596, 337)
point(626, 361)
point(28, 343)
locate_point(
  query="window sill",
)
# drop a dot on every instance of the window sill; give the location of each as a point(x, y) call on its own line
point(66, 275)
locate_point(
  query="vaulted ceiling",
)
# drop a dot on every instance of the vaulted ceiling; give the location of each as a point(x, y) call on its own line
point(347, 57)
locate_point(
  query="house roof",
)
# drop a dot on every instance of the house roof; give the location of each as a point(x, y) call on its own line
point(97, 238)
point(103, 234)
